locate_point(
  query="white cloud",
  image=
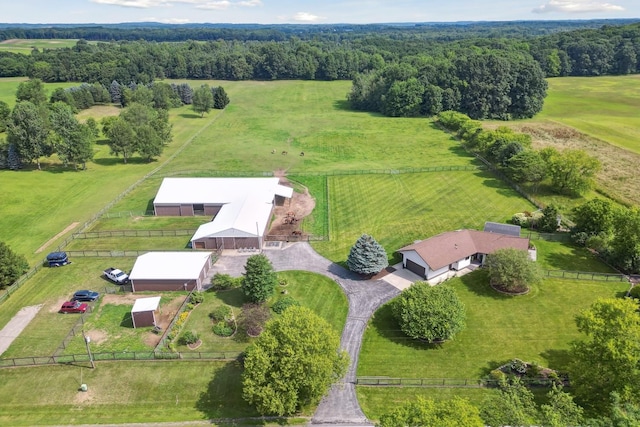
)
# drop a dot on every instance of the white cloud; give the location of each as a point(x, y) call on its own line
point(577, 6)
point(171, 20)
point(306, 17)
point(215, 5)
point(200, 4)
point(250, 3)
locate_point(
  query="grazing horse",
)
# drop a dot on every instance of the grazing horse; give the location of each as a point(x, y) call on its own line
point(302, 153)
point(284, 153)
point(273, 151)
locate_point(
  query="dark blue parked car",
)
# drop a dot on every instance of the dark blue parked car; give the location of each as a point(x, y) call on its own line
point(56, 259)
point(85, 295)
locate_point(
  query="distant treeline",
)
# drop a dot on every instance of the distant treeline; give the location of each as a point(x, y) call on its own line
point(399, 71)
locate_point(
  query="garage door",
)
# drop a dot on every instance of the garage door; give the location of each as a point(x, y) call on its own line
point(416, 268)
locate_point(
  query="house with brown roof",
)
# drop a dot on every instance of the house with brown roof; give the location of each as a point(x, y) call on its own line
point(455, 250)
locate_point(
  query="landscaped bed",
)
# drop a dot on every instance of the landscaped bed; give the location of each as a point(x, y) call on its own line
point(311, 290)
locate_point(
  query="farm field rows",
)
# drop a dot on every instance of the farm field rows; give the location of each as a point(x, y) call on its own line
point(26, 45)
point(398, 209)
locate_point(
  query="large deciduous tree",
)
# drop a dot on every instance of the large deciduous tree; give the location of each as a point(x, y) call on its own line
point(202, 101)
point(608, 360)
point(259, 279)
point(293, 363)
point(427, 412)
point(72, 140)
point(12, 265)
point(513, 406)
point(121, 138)
point(511, 270)
point(367, 256)
point(28, 131)
point(430, 313)
point(594, 217)
point(33, 91)
point(625, 243)
point(571, 171)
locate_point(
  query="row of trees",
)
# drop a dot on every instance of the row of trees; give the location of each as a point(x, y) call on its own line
point(482, 83)
point(314, 52)
point(570, 171)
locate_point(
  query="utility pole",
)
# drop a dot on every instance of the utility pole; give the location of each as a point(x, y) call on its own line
point(87, 340)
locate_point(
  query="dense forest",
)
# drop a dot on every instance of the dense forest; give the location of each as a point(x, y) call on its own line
point(481, 70)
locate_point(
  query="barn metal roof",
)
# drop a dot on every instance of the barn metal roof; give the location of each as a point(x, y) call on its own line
point(146, 304)
point(169, 265)
point(246, 202)
point(496, 227)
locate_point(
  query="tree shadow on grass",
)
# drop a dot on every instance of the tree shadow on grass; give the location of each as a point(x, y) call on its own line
point(223, 397)
point(478, 283)
point(190, 115)
point(559, 360)
point(388, 328)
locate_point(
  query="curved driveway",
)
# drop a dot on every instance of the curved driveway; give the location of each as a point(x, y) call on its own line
point(340, 405)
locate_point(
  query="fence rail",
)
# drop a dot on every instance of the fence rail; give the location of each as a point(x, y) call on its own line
point(294, 238)
point(443, 382)
point(586, 275)
point(133, 233)
point(394, 171)
point(115, 356)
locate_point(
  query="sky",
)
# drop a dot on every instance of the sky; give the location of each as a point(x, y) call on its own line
point(309, 11)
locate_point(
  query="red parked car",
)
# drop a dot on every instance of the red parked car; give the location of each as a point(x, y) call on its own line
point(74, 307)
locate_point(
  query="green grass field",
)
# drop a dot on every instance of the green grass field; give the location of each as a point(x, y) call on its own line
point(535, 327)
point(398, 209)
point(603, 107)
point(143, 392)
point(26, 45)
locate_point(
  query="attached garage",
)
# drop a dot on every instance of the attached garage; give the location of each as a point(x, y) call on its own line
point(170, 271)
point(415, 268)
point(144, 310)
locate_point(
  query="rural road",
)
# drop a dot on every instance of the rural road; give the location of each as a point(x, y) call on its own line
point(340, 406)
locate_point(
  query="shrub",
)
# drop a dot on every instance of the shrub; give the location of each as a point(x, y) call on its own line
point(429, 313)
point(520, 219)
point(182, 318)
point(254, 316)
point(196, 298)
point(222, 282)
point(189, 337)
point(190, 306)
point(635, 292)
point(219, 313)
point(223, 329)
point(283, 303)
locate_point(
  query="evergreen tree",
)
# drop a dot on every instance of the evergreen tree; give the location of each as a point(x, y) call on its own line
point(367, 256)
point(115, 91)
point(220, 98)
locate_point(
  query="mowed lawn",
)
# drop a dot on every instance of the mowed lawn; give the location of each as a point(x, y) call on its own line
point(398, 209)
point(51, 287)
point(603, 107)
point(122, 392)
point(535, 327)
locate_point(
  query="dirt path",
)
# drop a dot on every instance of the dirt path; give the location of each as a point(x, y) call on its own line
point(57, 236)
point(15, 326)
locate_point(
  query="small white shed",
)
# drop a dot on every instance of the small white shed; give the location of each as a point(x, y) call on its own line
point(144, 310)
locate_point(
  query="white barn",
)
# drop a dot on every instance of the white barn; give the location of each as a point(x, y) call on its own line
point(170, 271)
point(240, 208)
